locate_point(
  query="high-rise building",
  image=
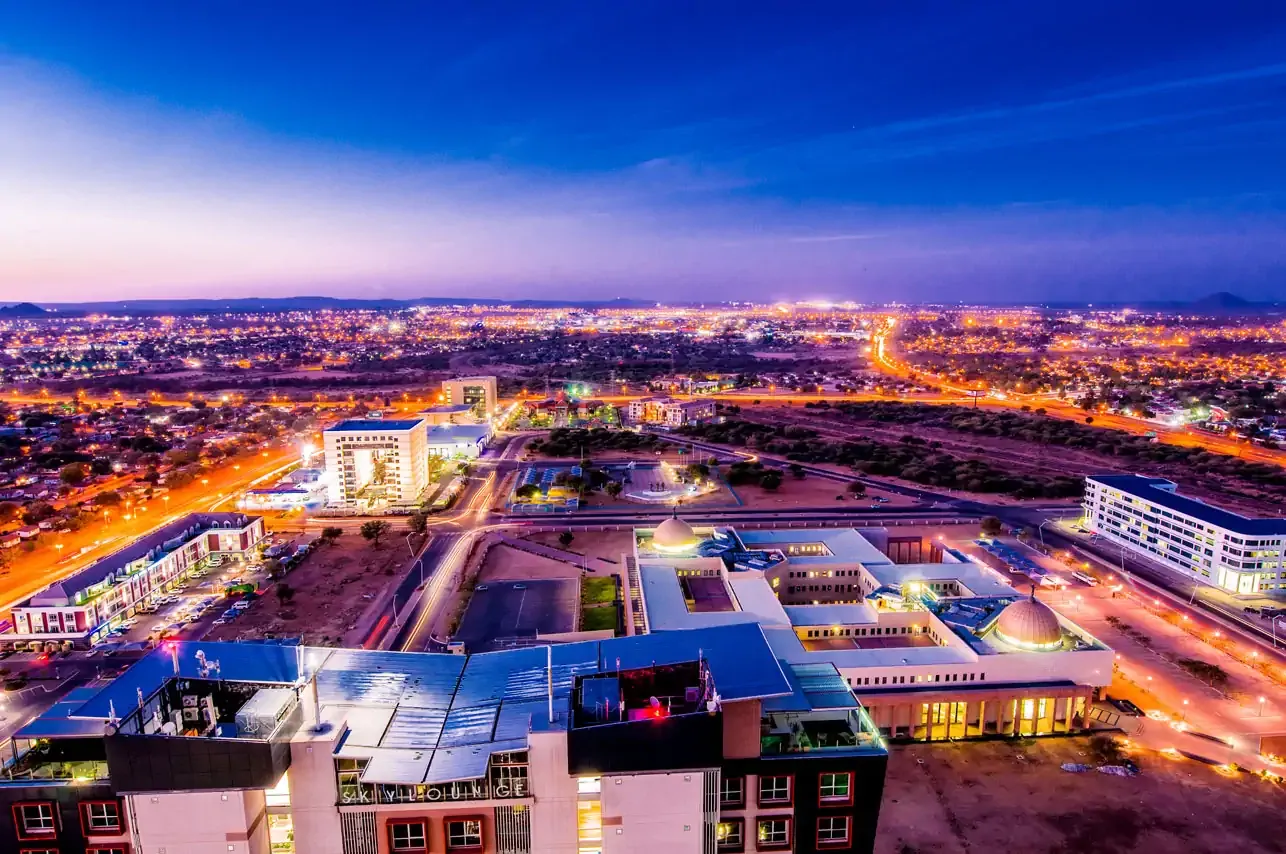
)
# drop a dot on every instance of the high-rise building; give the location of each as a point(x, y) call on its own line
point(691, 742)
point(373, 462)
point(1206, 543)
point(473, 392)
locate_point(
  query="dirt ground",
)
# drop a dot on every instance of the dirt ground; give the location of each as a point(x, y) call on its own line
point(1012, 796)
point(608, 545)
point(813, 491)
point(333, 586)
point(510, 564)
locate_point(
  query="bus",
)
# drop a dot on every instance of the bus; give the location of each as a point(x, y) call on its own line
point(1086, 578)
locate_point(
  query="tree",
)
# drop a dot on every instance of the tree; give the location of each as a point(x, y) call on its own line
point(527, 491)
point(770, 479)
point(613, 488)
point(418, 523)
point(374, 530)
point(37, 511)
point(285, 592)
point(697, 471)
point(110, 498)
point(72, 474)
point(857, 489)
point(8, 511)
point(797, 471)
point(565, 538)
point(379, 470)
point(330, 533)
point(991, 526)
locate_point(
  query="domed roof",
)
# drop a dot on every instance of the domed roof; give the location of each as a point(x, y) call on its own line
point(674, 535)
point(1030, 624)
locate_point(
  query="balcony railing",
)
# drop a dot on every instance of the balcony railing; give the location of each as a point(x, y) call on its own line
point(788, 733)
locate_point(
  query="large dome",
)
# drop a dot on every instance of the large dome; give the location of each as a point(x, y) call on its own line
point(1030, 624)
point(674, 535)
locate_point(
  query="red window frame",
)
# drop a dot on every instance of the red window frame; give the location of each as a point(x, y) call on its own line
point(482, 832)
point(21, 827)
point(773, 804)
point(830, 844)
point(113, 848)
point(88, 830)
point(739, 803)
point(37, 851)
point(775, 846)
point(422, 820)
point(738, 847)
point(824, 801)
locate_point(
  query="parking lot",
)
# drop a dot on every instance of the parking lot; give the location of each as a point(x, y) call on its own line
point(504, 614)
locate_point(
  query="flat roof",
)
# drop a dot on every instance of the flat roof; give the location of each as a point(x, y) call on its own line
point(432, 717)
point(369, 425)
point(447, 409)
point(980, 581)
point(187, 527)
point(1151, 489)
point(831, 615)
point(458, 433)
point(667, 609)
point(846, 545)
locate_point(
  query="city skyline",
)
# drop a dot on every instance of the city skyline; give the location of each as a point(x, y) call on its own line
point(1006, 156)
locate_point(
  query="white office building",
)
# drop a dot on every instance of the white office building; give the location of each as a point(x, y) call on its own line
point(376, 462)
point(1203, 542)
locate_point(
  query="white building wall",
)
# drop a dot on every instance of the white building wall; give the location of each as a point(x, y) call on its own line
point(652, 813)
point(234, 822)
point(554, 794)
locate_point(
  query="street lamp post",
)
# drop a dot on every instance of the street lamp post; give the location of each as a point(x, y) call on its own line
point(1041, 531)
point(1261, 706)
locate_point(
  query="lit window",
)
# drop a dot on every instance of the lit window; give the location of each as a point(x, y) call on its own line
point(101, 849)
point(464, 833)
point(774, 790)
point(408, 836)
point(589, 785)
point(34, 820)
point(836, 788)
point(833, 830)
point(773, 833)
point(730, 835)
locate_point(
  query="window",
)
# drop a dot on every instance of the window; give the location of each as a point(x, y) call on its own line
point(100, 818)
point(833, 830)
point(464, 833)
point(732, 792)
point(38, 851)
point(731, 835)
point(408, 835)
point(774, 790)
point(34, 820)
point(107, 849)
point(836, 788)
point(773, 833)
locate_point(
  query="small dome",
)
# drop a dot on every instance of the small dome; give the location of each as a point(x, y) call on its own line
point(674, 535)
point(1030, 624)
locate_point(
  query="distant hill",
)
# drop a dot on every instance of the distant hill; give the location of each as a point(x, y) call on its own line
point(312, 303)
point(1223, 301)
point(22, 309)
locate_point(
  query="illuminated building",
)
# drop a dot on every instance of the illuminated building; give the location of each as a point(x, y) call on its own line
point(376, 462)
point(686, 741)
point(81, 608)
point(472, 392)
point(670, 412)
point(1201, 541)
point(933, 650)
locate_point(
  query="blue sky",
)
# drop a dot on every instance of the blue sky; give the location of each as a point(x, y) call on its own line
point(876, 151)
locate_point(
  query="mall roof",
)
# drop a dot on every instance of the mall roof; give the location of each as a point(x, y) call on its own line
point(1157, 491)
point(981, 581)
point(186, 527)
point(667, 609)
point(458, 433)
point(374, 425)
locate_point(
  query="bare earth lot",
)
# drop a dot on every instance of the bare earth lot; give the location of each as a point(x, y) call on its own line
point(813, 491)
point(333, 586)
point(1012, 796)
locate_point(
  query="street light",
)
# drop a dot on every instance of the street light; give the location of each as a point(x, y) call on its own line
point(1261, 706)
point(1185, 712)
